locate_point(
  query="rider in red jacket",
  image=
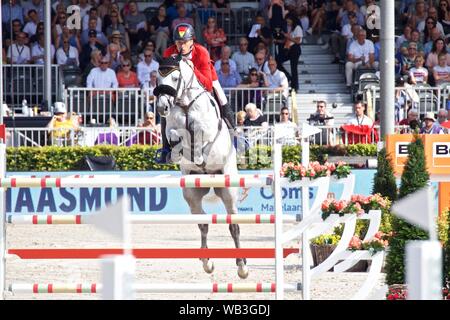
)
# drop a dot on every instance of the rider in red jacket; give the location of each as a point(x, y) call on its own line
point(199, 59)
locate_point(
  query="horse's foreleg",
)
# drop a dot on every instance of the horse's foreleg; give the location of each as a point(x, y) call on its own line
point(228, 197)
point(194, 199)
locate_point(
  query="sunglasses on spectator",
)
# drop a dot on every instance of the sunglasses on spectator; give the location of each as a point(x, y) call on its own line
point(253, 74)
point(125, 65)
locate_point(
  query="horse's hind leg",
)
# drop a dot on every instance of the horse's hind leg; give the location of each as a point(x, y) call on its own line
point(194, 199)
point(229, 198)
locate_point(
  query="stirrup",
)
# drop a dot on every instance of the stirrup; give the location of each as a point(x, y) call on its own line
point(163, 156)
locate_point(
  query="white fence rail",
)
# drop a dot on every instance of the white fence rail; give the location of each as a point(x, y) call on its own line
point(245, 137)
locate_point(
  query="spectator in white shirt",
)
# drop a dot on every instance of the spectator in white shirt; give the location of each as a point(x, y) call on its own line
point(19, 52)
point(261, 62)
point(360, 118)
point(84, 8)
point(441, 72)
point(102, 77)
point(38, 51)
point(144, 68)
point(31, 26)
point(244, 59)
point(67, 54)
point(225, 54)
point(418, 74)
point(361, 54)
point(277, 79)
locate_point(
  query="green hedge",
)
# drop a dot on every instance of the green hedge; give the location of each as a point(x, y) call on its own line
point(139, 157)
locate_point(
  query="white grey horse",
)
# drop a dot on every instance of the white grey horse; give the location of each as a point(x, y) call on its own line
point(204, 143)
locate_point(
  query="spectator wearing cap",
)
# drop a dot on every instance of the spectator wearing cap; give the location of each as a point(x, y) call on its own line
point(67, 54)
point(38, 51)
point(227, 77)
point(86, 21)
point(60, 125)
point(117, 39)
point(244, 59)
point(87, 49)
point(86, 34)
point(126, 78)
point(102, 76)
point(19, 52)
point(429, 126)
point(144, 68)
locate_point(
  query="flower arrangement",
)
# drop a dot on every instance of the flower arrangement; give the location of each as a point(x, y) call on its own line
point(340, 207)
point(378, 243)
point(358, 204)
point(326, 239)
point(400, 292)
point(314, 170)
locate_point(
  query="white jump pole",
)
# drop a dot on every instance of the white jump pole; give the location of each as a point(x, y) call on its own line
point(150, 218)
point(95, 288)
point(2, 222)
point(190, 181)
point(279, 259)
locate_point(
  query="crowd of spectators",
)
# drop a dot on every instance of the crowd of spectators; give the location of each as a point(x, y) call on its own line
point(118, 46)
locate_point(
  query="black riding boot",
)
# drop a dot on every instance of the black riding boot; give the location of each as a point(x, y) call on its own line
point(228, 115)
point(165, 151)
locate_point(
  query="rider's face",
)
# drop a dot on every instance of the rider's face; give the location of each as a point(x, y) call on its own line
point(184, 47)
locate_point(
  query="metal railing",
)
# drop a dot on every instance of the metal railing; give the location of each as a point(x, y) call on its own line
point(96, 106)
point(83, 136)
point(244, 138)
point(269, 101)
point(422, 98)
point(27, 82)
point(128, 105)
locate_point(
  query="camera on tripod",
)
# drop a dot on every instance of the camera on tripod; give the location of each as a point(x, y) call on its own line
point(318, 119)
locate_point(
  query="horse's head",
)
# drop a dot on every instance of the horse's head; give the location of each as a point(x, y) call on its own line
point(174, 76)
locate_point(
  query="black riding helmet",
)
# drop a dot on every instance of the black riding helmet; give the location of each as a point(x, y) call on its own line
point(183, 32)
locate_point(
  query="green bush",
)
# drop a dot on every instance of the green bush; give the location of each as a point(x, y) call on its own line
point(140, 158)
point(444, 238)
point(415, 176)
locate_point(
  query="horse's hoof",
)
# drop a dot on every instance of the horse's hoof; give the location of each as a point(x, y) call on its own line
point(208, 266)
point(243, 272)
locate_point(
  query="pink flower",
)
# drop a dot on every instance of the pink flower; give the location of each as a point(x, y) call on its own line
point(379, 235)
point(355, 243)
point(325, 205)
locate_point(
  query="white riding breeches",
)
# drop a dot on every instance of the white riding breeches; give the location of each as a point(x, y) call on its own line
point(219, 93)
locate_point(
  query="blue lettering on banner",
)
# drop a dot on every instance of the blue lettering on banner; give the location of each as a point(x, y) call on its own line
point(158, 200)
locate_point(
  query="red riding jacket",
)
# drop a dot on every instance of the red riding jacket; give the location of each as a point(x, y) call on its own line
point(203, 68)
